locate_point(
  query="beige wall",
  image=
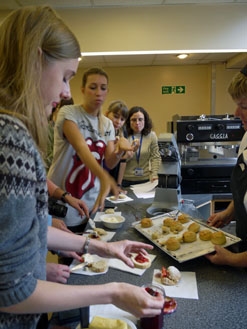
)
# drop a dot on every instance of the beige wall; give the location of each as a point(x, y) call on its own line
point(142, 86)
point(159, 27)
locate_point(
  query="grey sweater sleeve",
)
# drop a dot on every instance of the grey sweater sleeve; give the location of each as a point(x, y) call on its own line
point(23, 213)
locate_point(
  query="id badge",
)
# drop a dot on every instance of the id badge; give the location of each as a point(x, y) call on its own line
point(138, 172)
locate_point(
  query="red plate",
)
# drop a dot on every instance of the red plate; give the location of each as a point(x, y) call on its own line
point(170, 305)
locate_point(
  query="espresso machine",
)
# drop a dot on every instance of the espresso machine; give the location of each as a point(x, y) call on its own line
point(208, 147)
point(168, 192)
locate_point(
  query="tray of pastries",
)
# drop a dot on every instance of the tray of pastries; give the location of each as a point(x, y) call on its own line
point(183, 237)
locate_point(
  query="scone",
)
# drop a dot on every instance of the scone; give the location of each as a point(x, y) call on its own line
point(156, 235)
point(170, 276)
point(109, 211)
point(176, 227)
point(141, 261)
point(165, 229)
point(183, 218)
point(168, 221)
point(94, 235)
point(189, 236)
point(205, 235)
point(218, 238)
point(172, 244)
point(122, 196)
point(146, 222)
point(99, 266)
point(100, 231)
point(194, 227)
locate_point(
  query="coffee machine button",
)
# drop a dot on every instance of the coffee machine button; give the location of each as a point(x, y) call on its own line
point(190, 127)
point(220, 126)
point(190, 172)
point(189, 137)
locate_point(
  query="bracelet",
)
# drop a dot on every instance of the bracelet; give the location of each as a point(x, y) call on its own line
point(64, 195)
point(86, 245)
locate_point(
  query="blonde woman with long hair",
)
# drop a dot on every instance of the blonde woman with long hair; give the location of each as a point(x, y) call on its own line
point(39, 56)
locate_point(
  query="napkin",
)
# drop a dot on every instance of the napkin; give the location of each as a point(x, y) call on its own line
point(86, 271)
point(120, 265)
point(114, 263)
point(185, 288)
point(111, 309)
point(107, 237)
point(145, 190)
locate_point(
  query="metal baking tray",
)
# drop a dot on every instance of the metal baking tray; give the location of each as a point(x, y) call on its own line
point(187, 251)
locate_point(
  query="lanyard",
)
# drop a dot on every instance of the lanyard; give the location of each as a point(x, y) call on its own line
point(138, 152)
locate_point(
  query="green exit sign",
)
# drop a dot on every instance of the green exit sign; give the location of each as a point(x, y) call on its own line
point(173, 89)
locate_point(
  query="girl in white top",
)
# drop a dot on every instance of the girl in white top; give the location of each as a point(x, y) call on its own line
point(83, 137)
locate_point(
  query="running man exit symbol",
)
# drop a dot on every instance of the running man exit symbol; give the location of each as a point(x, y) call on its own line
point(173, 90)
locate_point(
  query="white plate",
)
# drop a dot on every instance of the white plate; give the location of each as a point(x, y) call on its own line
point(130, 324)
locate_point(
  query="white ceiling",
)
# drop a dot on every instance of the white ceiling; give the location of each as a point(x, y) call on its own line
point(140, 60)
point(13, 4)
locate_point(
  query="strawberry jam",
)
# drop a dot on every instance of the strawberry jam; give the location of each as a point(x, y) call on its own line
point(155, 322)
point(141, 259)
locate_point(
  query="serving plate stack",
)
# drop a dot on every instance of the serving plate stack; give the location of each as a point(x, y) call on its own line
point(187, 251)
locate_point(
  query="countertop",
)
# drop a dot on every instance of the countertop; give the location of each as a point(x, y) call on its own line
point(222, 290)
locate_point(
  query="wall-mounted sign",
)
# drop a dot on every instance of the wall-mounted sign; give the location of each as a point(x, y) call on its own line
point(173, 89)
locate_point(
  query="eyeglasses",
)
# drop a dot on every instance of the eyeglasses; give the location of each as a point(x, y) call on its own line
point(244, 70)
point(137, 119)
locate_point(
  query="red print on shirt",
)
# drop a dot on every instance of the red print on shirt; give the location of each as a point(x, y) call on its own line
point(80, 179)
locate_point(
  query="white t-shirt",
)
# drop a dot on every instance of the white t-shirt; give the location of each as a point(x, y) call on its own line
point(67, 170)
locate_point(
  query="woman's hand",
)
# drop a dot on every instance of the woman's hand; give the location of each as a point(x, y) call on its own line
point(135, 144)
point(59, 223)
point(122, 145)
point(221, 256)
point(57, 272)
point(78, 204)
point(107, 185)
point(136, 300)
point(122, 250)
point(70, 254)
point(219, 219)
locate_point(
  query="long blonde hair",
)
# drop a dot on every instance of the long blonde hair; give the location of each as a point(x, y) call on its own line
point(24, 33)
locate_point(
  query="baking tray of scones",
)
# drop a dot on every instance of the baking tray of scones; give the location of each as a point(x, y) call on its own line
point(183, 237)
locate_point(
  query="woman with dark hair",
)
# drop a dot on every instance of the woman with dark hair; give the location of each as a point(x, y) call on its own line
point(143, 166)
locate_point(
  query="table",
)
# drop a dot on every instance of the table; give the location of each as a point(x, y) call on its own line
point(222, 290)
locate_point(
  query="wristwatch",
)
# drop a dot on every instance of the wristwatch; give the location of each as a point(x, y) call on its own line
point(64, 195)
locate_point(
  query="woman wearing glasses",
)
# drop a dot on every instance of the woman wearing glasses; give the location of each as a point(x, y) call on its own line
point(144, 164)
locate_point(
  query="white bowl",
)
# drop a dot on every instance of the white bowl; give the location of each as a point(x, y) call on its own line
point(112, 221)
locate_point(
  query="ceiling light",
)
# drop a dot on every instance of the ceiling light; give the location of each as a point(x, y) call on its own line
point(160, 52)
point(182, 56)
